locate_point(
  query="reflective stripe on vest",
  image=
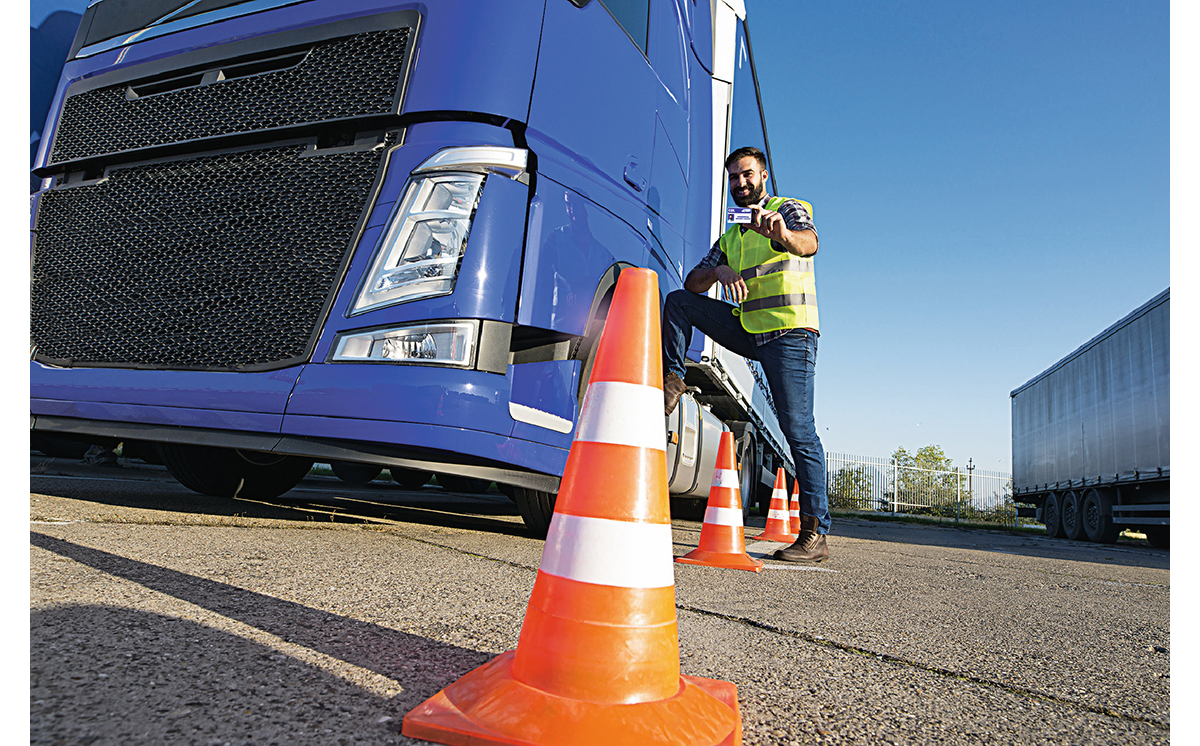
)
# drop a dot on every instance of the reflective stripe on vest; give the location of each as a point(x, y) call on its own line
point(782, 287)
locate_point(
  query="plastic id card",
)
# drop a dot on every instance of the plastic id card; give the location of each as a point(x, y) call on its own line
point(737, 215)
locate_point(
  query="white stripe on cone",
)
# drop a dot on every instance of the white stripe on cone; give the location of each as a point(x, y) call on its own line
point(726, 478)
point(777, 515)
point(626, 414)
point(602, 551)
point(723, 517)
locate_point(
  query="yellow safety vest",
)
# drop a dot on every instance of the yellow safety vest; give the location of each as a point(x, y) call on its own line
point(782, 286)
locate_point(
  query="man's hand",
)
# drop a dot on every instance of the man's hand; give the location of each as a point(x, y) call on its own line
point(770, 224)
point(732, 283)
point(734, 287)
point(767, 223)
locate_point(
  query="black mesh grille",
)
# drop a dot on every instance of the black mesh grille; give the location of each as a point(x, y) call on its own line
point(221, 261)
point(344, 78)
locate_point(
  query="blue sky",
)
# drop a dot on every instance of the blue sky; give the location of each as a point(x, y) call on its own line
point(991, 184)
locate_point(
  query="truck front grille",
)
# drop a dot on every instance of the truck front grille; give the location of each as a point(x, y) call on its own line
point(223, 261)
point(335, 80)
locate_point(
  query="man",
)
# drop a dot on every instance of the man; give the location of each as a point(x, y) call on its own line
point(766, 267)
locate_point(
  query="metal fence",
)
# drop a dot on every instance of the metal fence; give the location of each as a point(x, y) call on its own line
point(881, 484)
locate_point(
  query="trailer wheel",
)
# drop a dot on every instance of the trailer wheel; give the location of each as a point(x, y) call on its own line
point(536, 509)
point(1072, 516)
point(1097, 517)
point(354, 473)
point(1052, 515)
point(226, 472)
point(1158, 536)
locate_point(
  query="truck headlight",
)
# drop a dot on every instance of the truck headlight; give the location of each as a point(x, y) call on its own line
point(422, 250)
point(436, 343)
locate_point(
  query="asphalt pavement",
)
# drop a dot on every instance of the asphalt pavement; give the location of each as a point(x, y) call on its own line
point(158, 616)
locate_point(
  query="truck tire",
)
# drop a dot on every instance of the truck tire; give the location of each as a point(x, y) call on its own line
point(410, 479)
point(469, 485)
point(748, 461)
point(1052, 515)
point(1072, 516)
point(1097, 517)
point(226, 472)
point(536, 509)
point(353, 473)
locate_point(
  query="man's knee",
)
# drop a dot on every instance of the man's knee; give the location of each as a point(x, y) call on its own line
point(675, 297)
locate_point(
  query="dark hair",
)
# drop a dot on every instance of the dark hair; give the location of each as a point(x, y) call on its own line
point(746, 152)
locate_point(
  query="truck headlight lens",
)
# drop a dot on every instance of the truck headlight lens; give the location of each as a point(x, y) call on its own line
point(446, 343)
point(422, 251)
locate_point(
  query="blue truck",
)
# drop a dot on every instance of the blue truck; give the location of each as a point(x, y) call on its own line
point(268, 233)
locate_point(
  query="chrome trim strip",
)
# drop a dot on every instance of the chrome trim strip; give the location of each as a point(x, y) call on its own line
point(511, 162)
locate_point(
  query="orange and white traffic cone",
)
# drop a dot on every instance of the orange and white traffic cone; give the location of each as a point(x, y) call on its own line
point(794, 508)
point(597, 661)
point(778, 523)
point(722, 537)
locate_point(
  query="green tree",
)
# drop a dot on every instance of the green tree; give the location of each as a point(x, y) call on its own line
point(851, 487)
point(928, 481)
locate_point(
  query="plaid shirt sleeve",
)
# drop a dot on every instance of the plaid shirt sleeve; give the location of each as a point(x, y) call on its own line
point(714, 258)
point(796, 217)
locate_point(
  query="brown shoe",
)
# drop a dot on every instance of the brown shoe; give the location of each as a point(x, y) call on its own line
point(673, 388)
point(809, 547)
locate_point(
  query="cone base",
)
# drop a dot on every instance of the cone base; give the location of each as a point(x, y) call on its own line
point(488, 706)
point(727, 560)
point(784, 538)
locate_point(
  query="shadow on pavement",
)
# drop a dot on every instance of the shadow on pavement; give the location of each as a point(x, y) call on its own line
point(1130, 553)
point(322, 499)
point(101, 672)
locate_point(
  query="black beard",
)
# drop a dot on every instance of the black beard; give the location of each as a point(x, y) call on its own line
point(753, 198)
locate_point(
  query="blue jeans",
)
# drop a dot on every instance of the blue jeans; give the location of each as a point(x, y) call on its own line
point(790, 365)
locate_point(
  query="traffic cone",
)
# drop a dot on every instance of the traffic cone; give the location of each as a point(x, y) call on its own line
point(722, 537)
point(778, 523)
point(794, 508)
point(597, 661)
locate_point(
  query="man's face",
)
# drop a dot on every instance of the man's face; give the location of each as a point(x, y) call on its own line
point(747, 180)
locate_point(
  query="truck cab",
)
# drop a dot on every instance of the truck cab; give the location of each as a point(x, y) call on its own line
point(272, 232)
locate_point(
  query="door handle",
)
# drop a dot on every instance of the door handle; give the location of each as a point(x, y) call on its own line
point(632, 178)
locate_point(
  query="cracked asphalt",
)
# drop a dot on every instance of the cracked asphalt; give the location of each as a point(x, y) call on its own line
point(158, 616)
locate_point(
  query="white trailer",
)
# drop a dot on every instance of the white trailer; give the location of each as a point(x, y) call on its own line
point(1091, 435)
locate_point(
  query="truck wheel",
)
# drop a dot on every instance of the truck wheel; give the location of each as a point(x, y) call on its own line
point(348, 471)
point(409, 479)
point(536, 509)
point(469, 485)
point(748, 459)
point(1158, 536)
point(226, 472)
point(1052, 515)
point(1097, 517)
point(1072, 516)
